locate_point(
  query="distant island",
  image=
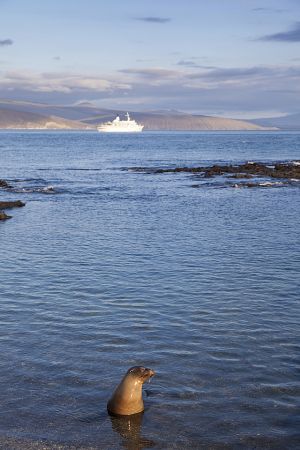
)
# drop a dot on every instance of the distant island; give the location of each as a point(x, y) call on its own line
point(85, 116)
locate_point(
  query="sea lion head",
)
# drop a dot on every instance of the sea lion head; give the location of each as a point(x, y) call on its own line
point(141, 374)
point(127, 399)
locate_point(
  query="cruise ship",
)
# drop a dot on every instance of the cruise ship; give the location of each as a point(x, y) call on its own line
point(120, 126)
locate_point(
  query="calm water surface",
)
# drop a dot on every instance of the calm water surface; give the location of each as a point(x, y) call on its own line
point(106, 268)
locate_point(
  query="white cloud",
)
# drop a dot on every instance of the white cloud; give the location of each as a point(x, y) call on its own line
point(57, 82)
point(208, 90)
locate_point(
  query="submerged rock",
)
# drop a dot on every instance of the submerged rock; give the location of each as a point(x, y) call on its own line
point(246, 170)
point(4, 184)
point(9, 205)
point(12, 204)
point(241, 175)
point(4, 216)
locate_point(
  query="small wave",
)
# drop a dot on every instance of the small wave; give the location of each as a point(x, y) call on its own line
point(30, 190)
point(264, 184)
point(93, 418)
point(28, 180)
point(47, 189)
point(209, 185)
point(256, 184)
point(83, 169)
point(65, 169)
point(270, 183)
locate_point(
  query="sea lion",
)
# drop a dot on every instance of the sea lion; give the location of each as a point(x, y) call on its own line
point(127, 399)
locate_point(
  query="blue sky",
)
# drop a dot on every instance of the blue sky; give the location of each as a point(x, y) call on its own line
point(238, 58)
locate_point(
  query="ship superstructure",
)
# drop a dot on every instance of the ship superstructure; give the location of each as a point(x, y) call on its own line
point(120, 126)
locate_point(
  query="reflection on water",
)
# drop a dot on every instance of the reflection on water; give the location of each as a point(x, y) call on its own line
point(130, 430)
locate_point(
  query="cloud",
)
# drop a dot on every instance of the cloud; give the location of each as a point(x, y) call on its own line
point(206, 90)
point(187, 63)
point(151, 72)
point(292, 35)
point(65, 83)
point(233, 74)
point(5, 42)
point(153, 75)
point(153, 19)
point(211, 90)
point(269, 10)
point(192, 64)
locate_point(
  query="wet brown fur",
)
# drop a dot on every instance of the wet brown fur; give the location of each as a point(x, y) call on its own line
point(127, 399)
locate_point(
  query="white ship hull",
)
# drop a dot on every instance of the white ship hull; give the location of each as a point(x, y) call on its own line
point(120, 126)
point(108, 129)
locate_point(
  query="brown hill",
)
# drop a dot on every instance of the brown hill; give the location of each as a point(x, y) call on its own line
point(28, 115)
point(189, 122)
point(12, 119)
point(175, 121)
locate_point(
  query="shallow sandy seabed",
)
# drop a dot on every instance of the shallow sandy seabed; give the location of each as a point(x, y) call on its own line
point(7, 443)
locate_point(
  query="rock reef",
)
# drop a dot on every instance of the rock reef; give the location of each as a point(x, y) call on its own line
point(4, 184)
point(9, 205)
point(268, 174)
point(12, 204)
point(4, 216)
point(246, 170)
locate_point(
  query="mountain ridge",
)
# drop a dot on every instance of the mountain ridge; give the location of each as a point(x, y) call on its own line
point(28, 115)
point(14, 119)
point(288, 122)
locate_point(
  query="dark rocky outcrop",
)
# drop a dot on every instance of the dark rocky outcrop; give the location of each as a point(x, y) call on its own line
point(4, 184)
point(4, 216)
point(246, 170)
point(13, 204)
point(9, 205)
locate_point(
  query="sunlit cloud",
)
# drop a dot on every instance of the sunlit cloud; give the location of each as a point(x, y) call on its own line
point(57, 82)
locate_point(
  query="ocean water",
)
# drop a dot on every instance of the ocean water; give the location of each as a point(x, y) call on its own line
point(106, 268)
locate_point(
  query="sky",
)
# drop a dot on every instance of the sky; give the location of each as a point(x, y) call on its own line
point(233, 58)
